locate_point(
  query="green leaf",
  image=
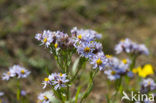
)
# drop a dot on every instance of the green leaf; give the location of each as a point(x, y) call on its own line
point(75, 65)
point(77, 94)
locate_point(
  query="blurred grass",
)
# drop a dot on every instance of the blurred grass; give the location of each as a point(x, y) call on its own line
point(115, 19)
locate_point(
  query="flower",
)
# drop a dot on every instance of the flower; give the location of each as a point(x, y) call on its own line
point(117, 68)
point(85, 49)
point(57, 80)
point(148, 85)
point(85, 35)
point(45, 97)
point(99, 61)
point(145, 71)
point(121, 66)
point(112, 74)
point(60, 81)
point(23, 93)
point(22, 72)
point(1, 94)
point(16, 71)
point(6, 76)
point(129, 46)
point(49, 80)
point(46, 37)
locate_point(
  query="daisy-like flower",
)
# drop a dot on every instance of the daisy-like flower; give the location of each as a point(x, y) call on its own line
point(84, 35)
point(46, 37)
point(148, 85)
point(118, 64)
point(112, 74)
point(85, 49)
point(6, 76)
point(129, 46)
point(45, 97)
point(49, 80)
point(22, 72)
point(99, 61)
point(60, 81)
point(16, 71)
point(57, 80)
point(120, 68)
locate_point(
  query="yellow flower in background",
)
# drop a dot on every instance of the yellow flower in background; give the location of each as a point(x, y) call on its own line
point(145, 71)
point(136, 70)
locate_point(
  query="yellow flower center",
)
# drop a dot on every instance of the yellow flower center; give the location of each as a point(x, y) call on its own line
point(113, 72)
point(45, 40)
point(46, 98)
point(122, 40)
point(22, 71)
point(99, 62)
point(61, 74)
point(8, 73)
point(79, 36)
point(55, 45)
point(46, 79)
point(108, 56)
point(149, 83)
point(124, 61)
point(87, 49)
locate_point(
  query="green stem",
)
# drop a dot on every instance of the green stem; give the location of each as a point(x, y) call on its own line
point(133, 61)
point(118, 86)
point(18, 90)
point(77, 72)
point(58, 94)
point(90, 86)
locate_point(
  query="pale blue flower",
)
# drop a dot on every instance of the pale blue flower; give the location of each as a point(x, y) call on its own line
point(85, 49)
point(85, 35)
point(119, 67)
point(60, 81)
point(129, 46)
point(46, 37)
point(46, 97)
point(148, 85)
point(16, 71)
point(112, 74)
point(57, 80)
point(99, 61)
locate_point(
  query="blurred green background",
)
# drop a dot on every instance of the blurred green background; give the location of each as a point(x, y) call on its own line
point(115, 19)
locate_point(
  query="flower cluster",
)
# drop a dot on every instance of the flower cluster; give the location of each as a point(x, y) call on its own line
point(131, 47)
point(57, 39)
point(83, 40)
point(58, 80)
point(84, 35)
point(16, 71)
point(148, 85)
point(88, 47)
point(118, 68)
point(45, 97)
